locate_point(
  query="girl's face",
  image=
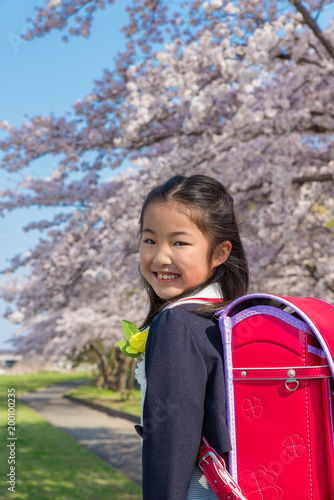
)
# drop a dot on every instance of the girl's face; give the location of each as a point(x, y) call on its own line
point(173, 250)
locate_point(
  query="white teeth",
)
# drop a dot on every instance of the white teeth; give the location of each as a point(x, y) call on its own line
point(167, 276)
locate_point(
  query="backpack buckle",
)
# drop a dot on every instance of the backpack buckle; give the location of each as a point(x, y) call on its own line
point(222, 483)
point(214, 458)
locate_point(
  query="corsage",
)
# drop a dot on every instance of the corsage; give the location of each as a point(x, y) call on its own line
point(134, 346)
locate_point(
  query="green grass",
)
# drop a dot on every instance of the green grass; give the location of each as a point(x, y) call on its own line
point(50, 465)
point(34, 381)
point(108, 398)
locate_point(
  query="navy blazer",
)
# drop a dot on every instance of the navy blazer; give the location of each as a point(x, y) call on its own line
point(185, 399)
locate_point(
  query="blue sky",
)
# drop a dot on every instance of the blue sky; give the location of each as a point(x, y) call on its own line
point(42, 76)
point(38, 77)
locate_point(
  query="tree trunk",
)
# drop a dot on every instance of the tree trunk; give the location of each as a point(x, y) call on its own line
point(121, 371)
point(108, 380)
point(131, 373)
point(116, 369)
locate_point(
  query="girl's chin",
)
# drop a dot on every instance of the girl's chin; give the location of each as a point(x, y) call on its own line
point(170, 294)
point(167, 294)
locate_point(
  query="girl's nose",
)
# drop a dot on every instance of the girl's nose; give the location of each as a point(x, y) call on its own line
point(162, 257)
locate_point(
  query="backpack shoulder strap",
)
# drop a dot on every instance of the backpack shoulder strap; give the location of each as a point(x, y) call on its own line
point(319, 315)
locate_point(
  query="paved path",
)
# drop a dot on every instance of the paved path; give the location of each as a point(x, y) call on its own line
point(110, 438)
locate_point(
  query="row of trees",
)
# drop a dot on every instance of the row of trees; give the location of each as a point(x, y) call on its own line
point(239, 90)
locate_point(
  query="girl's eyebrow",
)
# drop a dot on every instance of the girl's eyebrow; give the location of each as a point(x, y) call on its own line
point(176, 233)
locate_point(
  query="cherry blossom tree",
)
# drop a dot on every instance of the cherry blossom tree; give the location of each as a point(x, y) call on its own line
point(238, 90)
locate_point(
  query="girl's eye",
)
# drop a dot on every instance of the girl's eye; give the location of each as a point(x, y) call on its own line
point(180, 243)
point(149, 241)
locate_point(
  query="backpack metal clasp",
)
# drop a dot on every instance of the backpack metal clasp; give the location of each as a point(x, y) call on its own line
point(291, 373)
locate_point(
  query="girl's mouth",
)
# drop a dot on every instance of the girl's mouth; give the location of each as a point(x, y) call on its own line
point(163, 277)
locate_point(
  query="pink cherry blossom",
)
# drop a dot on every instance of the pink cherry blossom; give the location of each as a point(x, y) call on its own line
point(238, 90)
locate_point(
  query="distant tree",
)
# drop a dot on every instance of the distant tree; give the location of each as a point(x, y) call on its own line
point(116, 371)
point(238, 90)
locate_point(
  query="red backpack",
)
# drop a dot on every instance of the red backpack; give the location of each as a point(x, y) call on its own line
point(279, 370)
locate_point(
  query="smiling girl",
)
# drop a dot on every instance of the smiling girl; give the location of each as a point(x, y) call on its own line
point(191, 259)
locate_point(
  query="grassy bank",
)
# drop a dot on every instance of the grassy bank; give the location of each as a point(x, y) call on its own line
point(34, 381)
point(49, 463)
point(129, 403)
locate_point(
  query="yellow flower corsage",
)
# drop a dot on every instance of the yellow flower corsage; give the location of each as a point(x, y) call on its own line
point(134, 345)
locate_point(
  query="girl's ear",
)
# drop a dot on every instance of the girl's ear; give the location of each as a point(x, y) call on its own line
point(222, 251)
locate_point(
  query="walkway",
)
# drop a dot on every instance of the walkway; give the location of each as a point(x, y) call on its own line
point(110, 438)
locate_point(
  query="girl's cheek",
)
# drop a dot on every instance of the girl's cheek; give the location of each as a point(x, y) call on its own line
point(141, 259)
point(144, 257)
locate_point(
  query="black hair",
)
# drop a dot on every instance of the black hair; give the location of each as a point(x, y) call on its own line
point(212, 209)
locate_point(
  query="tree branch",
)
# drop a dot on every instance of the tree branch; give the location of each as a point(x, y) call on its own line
point(312, 178)
point(319, 10)
point(296, 180)
point(314, 27)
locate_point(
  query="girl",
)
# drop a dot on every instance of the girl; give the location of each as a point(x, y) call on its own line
point(191, 257)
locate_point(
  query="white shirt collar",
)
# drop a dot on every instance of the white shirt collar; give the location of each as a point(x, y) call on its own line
point(210, 292)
